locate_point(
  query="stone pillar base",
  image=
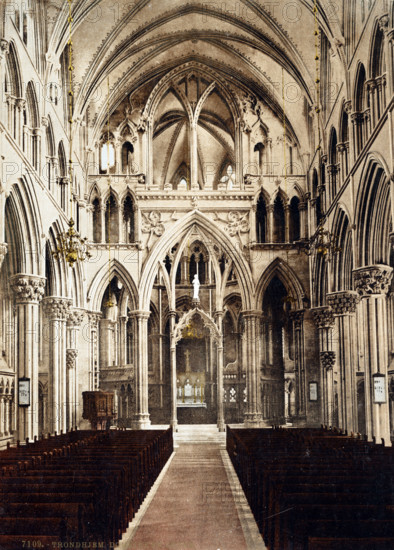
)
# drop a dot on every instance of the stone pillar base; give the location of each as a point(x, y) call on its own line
point(221, 426)
point(141, 422)
point(253, 420)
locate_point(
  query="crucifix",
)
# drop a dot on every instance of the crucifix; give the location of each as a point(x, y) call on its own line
point(187, 357)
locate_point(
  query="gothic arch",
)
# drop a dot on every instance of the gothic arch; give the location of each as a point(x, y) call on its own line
point(23, 228)
point(207, 320)
point(214, 235)
point(373, 207)
point(162, 86)
point(14, 71)
point(287, 276)
point(100, 282)
point(342, 267)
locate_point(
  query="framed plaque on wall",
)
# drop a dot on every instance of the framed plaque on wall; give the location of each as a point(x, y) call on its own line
point(24, 392)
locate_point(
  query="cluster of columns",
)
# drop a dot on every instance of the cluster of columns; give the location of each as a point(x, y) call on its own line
point(302, 208)
point(28, 291)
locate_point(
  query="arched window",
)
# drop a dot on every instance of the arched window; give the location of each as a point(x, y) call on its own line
point(316, 196)
point(111, 221)
point(294, 219)
point(360, 104)
point(279, 221)
point(25, 28)
point(128, 219)
point(344, 136)
point(259, 156)
point(107, 157)
point(261, 220)
point(333, 166)
point(229, 177)
point(96, 221)
point(128, 158)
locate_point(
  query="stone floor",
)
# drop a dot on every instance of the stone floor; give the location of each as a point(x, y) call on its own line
point(196, 503)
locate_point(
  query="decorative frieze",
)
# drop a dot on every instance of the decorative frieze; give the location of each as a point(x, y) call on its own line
point(323, 317)
point(28, 288)
point(343, 302)
point(327, 359)
point(375, 279)
point(56, 308)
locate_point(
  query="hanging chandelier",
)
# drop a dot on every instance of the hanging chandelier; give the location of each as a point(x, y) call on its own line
point(70, 245)
point(323, 244)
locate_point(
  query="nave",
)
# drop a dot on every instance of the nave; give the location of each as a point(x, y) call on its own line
point(198, 488)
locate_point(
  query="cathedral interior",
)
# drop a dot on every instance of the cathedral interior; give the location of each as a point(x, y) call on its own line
point(248, 146)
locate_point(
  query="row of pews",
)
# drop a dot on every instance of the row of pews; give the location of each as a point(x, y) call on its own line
point(313, 489)
point(79, 489)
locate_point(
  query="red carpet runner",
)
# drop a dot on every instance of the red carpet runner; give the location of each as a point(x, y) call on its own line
point(193, 508)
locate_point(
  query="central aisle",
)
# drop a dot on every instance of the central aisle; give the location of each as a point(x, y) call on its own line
point(194, 507)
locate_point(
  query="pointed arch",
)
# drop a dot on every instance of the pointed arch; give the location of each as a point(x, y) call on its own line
point(373, 207)
point(213, 235)
point(100, 281)
point(14, 71)
point(288, 278)
point(343, 261)
point(32, 106)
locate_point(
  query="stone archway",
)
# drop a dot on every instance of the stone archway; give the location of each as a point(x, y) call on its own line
point(188, 389)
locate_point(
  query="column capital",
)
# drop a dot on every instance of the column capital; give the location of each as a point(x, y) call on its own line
point(75, 317)
point(56, 308)
point(71, 356)
point(4, 47)
point(140, 314)
point(28, 288)
point(343, 302)
point(373, 279)
point(252, 314)
point(327, 359)
point(297, 316)
point(384, 23)
point(94, 317)
point(20, 103)
point(323, 316)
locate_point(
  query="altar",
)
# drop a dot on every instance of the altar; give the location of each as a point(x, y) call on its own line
point(190, 386)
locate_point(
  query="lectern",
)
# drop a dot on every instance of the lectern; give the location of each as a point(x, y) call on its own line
point(98, 408)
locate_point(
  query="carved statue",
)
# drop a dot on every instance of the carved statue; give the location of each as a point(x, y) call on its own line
point(196, 286)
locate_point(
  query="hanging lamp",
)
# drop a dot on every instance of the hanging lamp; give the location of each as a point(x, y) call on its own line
point(70, 245)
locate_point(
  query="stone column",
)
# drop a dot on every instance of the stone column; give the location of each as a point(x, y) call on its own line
point(141, 419)
point(270, 214)
point(302, 208)
point(174, 415)
point(220, 393)
point(94, 318)
point(4, 50)
point(287, 223)
point(343, 304)
point(297, 317)
point(253, 413)
point(373, 100)
point(74, 321)
point(122, 341)
point(71, 360)
point(372, 284)
point(19, 129)
point(324, 319)
point(28, 290)
point(56, 310)
point(389, 50)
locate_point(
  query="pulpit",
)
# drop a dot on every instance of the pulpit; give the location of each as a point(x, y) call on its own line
point(98, 408)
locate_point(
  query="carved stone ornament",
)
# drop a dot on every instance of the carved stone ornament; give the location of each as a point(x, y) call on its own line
point(71, 356)
point(3, 252)
point(75, 317)
point(297, 317)
point(323, 317)
point(375, 279)
point(94, 317)
point(208, 322)
point(56, 308)
point(343, 302)
point(327, 359)
point(152, 224)
point(4, 47)
point(28, 288)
